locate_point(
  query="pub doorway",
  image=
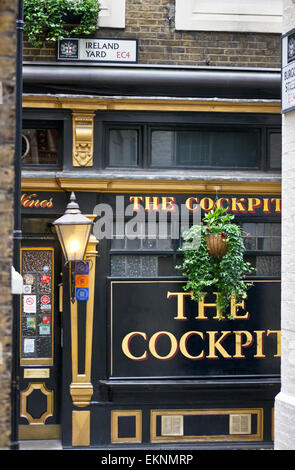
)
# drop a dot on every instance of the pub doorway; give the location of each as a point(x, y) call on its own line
point(40, 332)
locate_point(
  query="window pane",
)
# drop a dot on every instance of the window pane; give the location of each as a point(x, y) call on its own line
point(275, 151)
point(123, 147)
point(37, 225)
point(40, 146)
point(205, 148)
point(265, 265)
point(134, 266)
point(262, 236)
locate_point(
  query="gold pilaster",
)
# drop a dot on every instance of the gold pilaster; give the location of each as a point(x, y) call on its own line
point(81, 388)
point(83, 138)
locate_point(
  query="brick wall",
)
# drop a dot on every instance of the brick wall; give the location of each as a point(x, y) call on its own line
point(7, 118)
point(159, 43)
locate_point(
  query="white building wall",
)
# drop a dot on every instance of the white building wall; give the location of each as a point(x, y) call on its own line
point(285, 400)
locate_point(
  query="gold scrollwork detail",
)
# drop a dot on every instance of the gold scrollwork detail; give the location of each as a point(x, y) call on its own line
point(83, 139)
point(23, 403)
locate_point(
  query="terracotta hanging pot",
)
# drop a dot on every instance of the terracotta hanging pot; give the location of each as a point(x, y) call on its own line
point(217, 246)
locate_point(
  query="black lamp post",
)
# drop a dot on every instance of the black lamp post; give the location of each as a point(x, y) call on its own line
point(73, 231)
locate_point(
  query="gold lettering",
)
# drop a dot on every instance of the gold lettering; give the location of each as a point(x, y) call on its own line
point(153, 344)
point(278, 333)
point(183, 347)
point(219, 203)
point(237, 205)
point(277, 202)
point(240, 345)
point(207, 204)
point(152, 203)
point(260, 340)
point(189, 204)
point(266, 203)
point(171, 204)
point(253, 204)
point(126, 346)
point(180, 303)
point(216, 344)
point(202, 305)
point(233, 309)
point(136, 202)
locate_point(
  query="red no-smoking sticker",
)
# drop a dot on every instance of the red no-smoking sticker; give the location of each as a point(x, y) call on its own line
point(45, 299)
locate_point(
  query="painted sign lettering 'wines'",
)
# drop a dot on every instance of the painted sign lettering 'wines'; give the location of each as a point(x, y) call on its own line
point(33, 200)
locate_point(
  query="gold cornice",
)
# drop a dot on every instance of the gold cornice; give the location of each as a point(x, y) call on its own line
point(153, 104)
point(147, 186)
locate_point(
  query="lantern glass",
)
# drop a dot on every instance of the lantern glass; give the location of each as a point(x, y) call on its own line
point(73, 239)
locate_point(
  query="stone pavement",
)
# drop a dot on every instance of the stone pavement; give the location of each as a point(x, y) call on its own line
point(51, 444)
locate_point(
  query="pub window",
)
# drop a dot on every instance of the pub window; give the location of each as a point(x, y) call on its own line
point(275, 150)
point(189, 146)
point(143, 257)
point(39, 225)
point(41, 144)
point(123, 148)
point(199, 148)
point(263, 247)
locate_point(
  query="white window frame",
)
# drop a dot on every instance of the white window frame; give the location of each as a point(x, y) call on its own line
point(112, 14)
point(260, 16)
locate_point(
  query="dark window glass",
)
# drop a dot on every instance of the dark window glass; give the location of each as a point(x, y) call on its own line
point(123, 147)
point(40, 146)
point(262, 236)
point(205, 148)
point(275, 151)
point(37, 225)
point(269, 266)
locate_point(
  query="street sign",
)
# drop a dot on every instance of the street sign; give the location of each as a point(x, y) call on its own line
point(288, 71)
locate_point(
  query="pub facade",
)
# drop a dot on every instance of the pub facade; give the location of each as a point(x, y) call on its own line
point(133, 361)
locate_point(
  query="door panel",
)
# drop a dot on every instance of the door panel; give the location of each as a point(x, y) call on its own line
point(39, 340)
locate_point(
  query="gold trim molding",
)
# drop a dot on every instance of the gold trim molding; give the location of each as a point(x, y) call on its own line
point(115, 415)
point(23, 403)
point(151, 186)
point(39, 431)
point(88, 104)
point(83, 138)
point(258, 436)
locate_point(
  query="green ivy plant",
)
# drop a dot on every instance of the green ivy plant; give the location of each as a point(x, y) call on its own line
point(49, 19)
point(226, 273)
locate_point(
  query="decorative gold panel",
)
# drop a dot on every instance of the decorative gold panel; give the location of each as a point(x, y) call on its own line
point(80, 428)
point(115, 415)
point(23, 403)
point(258, 436)
point(36, 373)
point(83, 139)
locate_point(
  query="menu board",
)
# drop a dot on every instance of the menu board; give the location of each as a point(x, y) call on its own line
point(37, 267)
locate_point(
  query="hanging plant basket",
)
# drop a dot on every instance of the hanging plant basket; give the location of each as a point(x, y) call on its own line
point(213, 258)
point(217, 245)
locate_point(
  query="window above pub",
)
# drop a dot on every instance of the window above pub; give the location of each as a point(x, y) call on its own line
point(112, 14)
point(264, 16)
point(159, 146)
point(41, 144)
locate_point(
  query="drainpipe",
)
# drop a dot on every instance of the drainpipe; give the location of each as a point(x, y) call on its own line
point(17, 234)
